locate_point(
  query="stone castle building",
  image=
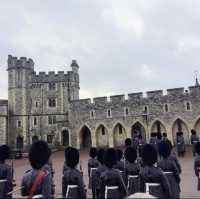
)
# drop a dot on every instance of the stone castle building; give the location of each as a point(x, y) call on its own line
point(47, 106)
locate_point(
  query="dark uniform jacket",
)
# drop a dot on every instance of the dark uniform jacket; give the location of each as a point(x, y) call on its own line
point(92, 163)
point(197, 170)
point(120, 165)
point(6, 173)
point(73, 177)
point(155, 175)
point(168, 165)
point(44, 188)
point(175, 159)
point(112, 177)
point(131, 169)
point(99, 171)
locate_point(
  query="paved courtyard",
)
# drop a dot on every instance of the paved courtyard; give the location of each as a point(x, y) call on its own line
point(188, 179)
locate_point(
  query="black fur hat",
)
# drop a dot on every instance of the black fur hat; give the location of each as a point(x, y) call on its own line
point(165, 135)
point(119, 154)
point(140, 136)
point(128, 142)
point(4, 152)
point(193, 132)
point(93, 152)
point(100, 155)
point(110, 157)
point(197, 148)
point(181, 133)
point(164, 149)
point(39, 154)
point(72, 158)
point(66, 151)
point(149, 155)
point(130, 154)
point(178, 133)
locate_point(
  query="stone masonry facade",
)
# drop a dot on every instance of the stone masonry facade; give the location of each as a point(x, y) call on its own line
point(47, 106)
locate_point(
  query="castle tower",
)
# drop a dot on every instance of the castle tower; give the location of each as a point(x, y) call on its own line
point(74, 81)
point(19, 72)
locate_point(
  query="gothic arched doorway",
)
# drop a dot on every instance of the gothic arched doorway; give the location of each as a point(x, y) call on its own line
point(19, 142)
point(158, 127)
point(85, 138)
point(119, 134)
point(65, 138)
point(180, 125)
point(102, 136)
point(137, 129)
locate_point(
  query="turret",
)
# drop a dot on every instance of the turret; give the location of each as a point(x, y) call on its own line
point(19, 72)
point(75, 66)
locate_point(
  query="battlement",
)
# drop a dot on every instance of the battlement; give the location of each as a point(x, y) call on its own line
point(139, 96)
point(100, 100)
point(135, 96)
point(175, 91)
point(22, 62)
point(117, 98)
point(155, 94)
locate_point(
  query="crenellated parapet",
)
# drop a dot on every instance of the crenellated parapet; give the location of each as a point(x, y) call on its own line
point(51, 76)
point(151, 96)
point(22, 62)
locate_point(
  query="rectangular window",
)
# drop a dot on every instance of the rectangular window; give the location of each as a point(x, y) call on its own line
point(52, 119)
point(52, 102)
point(36, 104)
point(92, 114)
point(109, 113)
point(126, 111)
point(52, 86)
point(50, 139)
point(19, 124)
point(35, 121)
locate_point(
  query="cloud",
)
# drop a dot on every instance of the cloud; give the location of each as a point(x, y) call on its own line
point(121, 46)
point(148, 73)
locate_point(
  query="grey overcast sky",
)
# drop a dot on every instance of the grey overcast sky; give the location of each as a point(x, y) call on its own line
point(121, 46)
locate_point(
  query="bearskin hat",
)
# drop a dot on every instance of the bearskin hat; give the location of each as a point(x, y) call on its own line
point(197, 148)
point(4, 152)
point(93, 152)
point(193, 132)
point(128, 142)
point(164, 149)
point(110, 157)
point(100, 155)
point(165, 135)
point(149, 155)
point(39, 154)
point(119, 154)
point(72, 158)
point(130, 154)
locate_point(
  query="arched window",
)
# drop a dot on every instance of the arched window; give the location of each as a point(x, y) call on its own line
point(109, 113)
point(126, 111)
point(145, 109)
point(188, 106)
point(92, 114)
point(166, 108)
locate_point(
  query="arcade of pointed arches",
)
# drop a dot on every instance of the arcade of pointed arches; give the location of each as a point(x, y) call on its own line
point(102, 136)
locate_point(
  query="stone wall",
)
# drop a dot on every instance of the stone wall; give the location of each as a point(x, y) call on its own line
point(85, 113)
point(3, 121)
